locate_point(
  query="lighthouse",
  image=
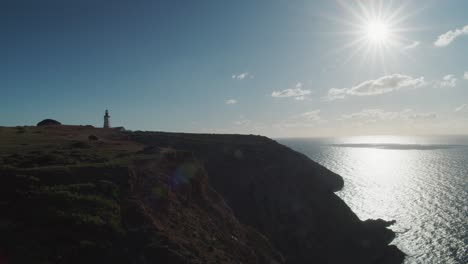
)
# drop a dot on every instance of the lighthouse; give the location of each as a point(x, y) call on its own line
point(106, 120)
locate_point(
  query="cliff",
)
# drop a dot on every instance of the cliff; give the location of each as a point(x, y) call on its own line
point(74, 194)
point(287, 197)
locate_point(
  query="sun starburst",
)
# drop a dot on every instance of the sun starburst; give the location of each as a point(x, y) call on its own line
point(376, 29)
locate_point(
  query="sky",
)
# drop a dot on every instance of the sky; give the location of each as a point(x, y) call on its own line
point(280, 68)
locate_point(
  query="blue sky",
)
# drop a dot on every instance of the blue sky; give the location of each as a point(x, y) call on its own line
point(278, 68)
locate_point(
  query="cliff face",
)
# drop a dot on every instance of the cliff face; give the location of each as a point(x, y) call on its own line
point(287, 197)
point(135, 208)
point(171, 196)
point(149, 197)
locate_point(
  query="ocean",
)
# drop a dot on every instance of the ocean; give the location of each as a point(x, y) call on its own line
point(421, 182)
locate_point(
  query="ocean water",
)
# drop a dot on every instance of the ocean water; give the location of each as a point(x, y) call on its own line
point(421, 182)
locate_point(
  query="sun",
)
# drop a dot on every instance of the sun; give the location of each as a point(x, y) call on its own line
point(377, 31)
point(374, 33)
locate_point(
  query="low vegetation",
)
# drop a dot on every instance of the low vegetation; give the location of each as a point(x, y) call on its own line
point(67, 197)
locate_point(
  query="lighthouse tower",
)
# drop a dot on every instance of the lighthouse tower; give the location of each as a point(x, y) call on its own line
point(106, 120)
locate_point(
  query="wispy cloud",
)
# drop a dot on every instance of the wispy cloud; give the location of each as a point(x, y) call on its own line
point(465, 76)
point(373, 115)
point(462, 107)
point(242, 76)
point(297, 93)
point(382, 85)
point(311, 115)
point(422, 116)
point(242, 121)
point(303, 120)
point(448, 37)
point(448, 81)
point(412, 45)
point(231, 101)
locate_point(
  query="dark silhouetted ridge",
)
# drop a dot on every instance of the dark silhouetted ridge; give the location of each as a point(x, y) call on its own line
point(150, 197)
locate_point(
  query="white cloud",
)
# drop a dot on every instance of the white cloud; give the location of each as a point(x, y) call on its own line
point(297, 92)
point(413, 45)
point(231, 101)
point(382, 85)
point(242, 121)
point(335, 93)
point(373, 115)
point(242, 76)
point(311, 115)
point(288, 124)
point(448, 37)
point(462, 107)
point(448, 81)
point(303, 120)
point(465, 76)
point(422, 116)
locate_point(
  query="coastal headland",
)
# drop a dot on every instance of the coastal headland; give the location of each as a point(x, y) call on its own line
point(75, 194)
